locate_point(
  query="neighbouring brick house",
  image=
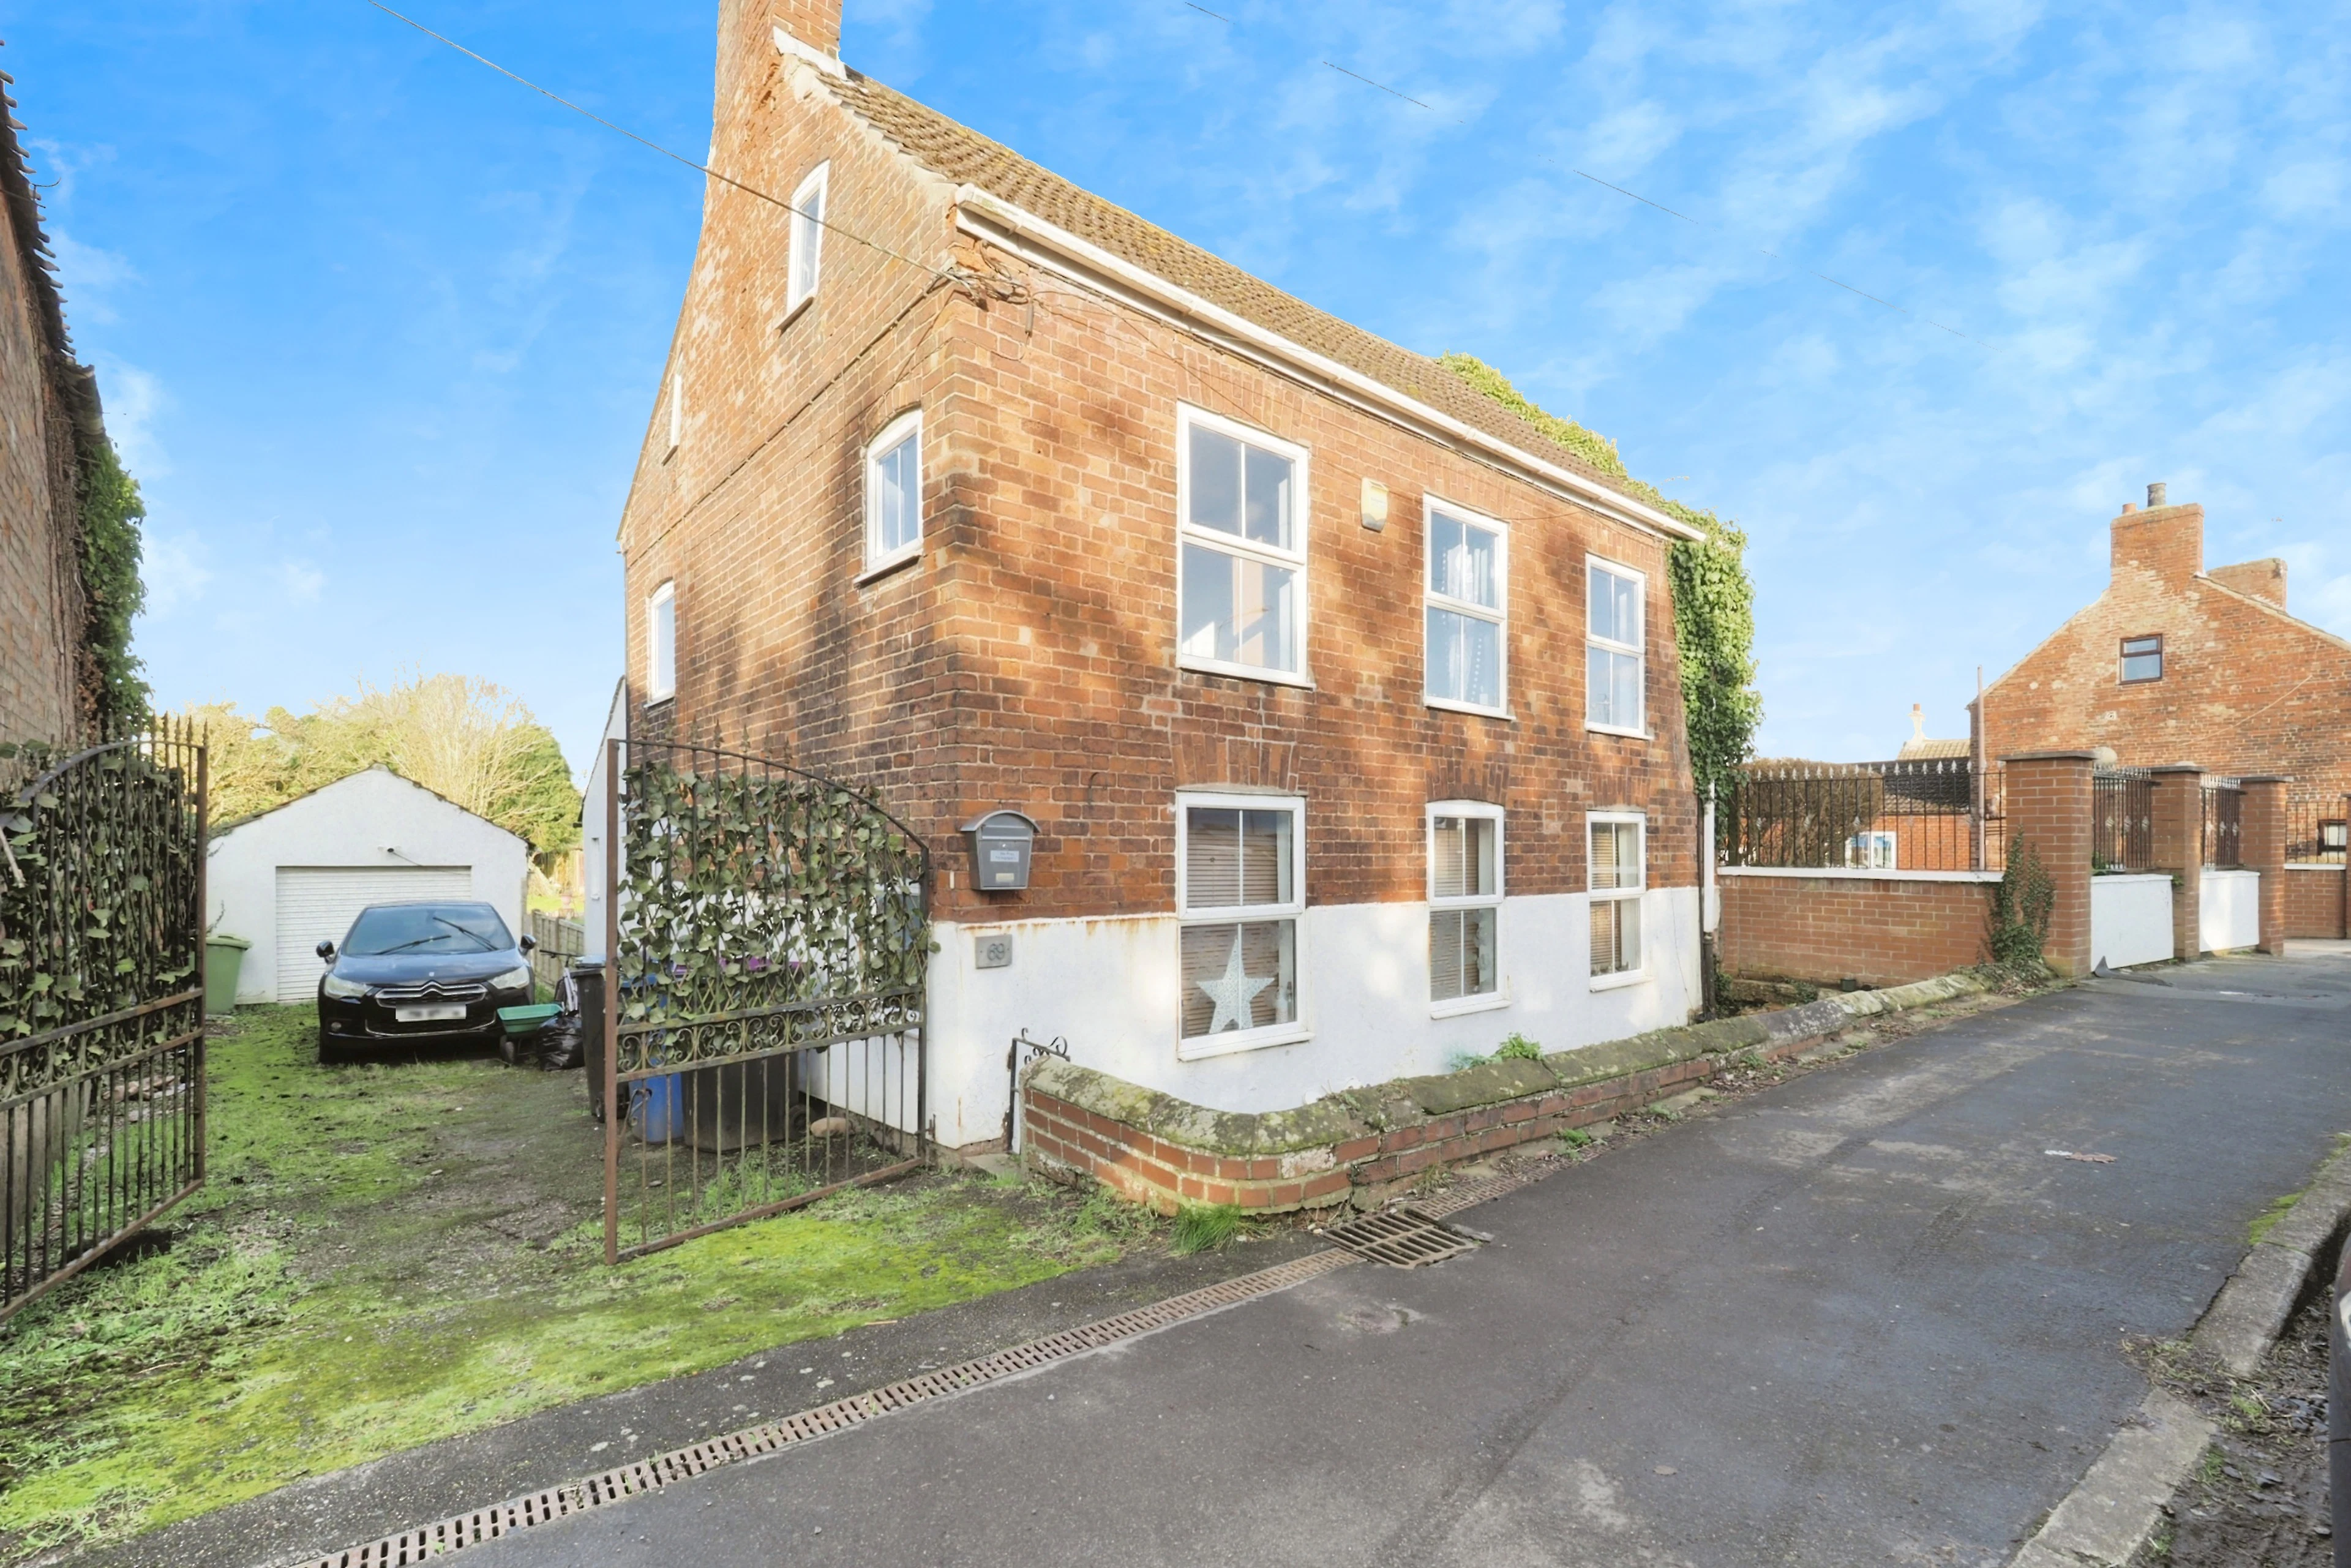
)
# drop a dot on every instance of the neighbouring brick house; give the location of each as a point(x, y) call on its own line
point(2174, 663)
point(1344, 702)
point(49, 405)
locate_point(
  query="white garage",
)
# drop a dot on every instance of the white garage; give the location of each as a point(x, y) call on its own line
point(288, 879)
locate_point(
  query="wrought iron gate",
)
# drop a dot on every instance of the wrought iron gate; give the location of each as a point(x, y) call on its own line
point(766, 934)
point(101, 1002)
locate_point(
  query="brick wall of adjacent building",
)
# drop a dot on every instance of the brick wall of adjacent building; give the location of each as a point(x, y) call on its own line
point(2247, 688)
point(1881, 931)
point(1028, 658)
point(2316, 902)
point(41, 673)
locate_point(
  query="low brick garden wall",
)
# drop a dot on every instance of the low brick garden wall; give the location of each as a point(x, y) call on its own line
point(2315, 898)
point(1358, 1146)
point(1829, 927)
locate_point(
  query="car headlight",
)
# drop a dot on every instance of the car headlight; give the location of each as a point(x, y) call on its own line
point(335, 986)
point(511, 979)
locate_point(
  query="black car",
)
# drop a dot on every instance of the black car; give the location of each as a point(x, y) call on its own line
point(424, 973)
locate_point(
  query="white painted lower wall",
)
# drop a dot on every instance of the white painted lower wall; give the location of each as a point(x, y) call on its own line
point(2130, 919)
point(2230, 909)
point(1110, 986)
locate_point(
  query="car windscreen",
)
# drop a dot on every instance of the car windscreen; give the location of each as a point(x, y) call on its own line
point(427, 929)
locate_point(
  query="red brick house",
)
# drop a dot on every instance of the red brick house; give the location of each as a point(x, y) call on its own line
point(49, 410)
point(1345, 700)
point(2176, 663)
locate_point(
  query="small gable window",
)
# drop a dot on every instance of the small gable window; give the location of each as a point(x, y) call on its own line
point(661, 644)
point(807, 238)
point(894, 493)
point(2142, 659)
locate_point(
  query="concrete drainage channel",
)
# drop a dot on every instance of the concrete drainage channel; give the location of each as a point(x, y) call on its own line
point(1402, 1239)
point(2113, 1511)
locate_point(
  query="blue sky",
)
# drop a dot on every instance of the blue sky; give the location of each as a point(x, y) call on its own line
point(378, 330)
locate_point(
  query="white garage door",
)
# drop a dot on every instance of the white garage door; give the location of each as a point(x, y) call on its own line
point(318, 903)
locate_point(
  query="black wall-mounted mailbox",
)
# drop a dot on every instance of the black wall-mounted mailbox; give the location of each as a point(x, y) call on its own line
point(1001, 844)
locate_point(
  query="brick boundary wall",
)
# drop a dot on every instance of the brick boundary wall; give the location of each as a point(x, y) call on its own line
point(1881, 931)
point(2316, 901)
point(1357, 1148)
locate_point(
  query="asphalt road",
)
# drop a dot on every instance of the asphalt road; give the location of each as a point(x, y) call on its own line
point(1862, 1318)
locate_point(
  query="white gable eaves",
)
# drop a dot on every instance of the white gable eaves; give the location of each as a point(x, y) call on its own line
point(989, 216)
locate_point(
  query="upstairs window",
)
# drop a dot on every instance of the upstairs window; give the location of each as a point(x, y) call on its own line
point(1241, 594)
point(894, 493)
point(1618, 876)
point(807, 239)
point(1240, 894)
point(1465, 903)
point(2142, 659)
point(1467, 599)
point(661, 644)
point(1614, 663)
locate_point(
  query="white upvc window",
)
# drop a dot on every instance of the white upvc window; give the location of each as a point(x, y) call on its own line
point(661, 644)
point(1617, 874)
point(1468, 594)
point(1241, 498)
point(894, 493)
point(1240, 902)
point(1465, 906)
point(1615, 665)
point(805, 263)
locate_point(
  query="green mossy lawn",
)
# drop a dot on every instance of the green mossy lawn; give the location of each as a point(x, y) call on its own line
point(393, 1253)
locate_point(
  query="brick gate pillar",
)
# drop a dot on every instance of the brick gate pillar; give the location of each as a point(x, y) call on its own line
point(2046, 797)
point(2180, 849)
point(2263, 849)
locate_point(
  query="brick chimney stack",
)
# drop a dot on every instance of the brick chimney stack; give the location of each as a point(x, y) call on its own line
point(2164, 541)
point(816, 22)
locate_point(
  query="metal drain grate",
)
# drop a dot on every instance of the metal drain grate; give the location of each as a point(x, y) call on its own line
point(1400, 1237)
point(487, 1525)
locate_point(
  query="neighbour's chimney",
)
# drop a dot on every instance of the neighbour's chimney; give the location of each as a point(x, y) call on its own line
point(2157, 491)
point(816, 22)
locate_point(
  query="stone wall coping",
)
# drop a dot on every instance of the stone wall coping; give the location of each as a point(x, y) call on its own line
point(1856, 873)
point(2266, 779)
point(2051, 757)
point(1365, 1113)
point(2178, 767)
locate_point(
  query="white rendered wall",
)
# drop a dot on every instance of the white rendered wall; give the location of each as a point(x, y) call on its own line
point(370, 818)
point(2130, 919)
point(1110, 986)
point(2232, 911)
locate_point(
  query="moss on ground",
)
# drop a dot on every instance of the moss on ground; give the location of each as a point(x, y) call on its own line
point(390, 1254)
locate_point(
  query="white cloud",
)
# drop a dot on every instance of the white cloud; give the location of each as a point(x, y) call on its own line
point(172, 566)
point(86, 275)
point(302, 580)
point(134, 399)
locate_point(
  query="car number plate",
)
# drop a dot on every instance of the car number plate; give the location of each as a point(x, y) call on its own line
point(429, 1015)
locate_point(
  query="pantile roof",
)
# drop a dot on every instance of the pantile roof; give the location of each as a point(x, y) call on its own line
point(961, 154)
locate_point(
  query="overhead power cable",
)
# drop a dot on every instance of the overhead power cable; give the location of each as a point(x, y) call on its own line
point(941, 274)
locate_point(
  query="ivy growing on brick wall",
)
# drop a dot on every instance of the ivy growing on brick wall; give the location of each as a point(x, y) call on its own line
point(1714, 599)
point(113, 593)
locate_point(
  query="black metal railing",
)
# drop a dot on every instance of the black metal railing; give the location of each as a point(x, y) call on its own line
point(101, 1013)
point(2316, 829)
point(2122, 819)
point(2224, 815)
point(1889, 816)
point(768, 934)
